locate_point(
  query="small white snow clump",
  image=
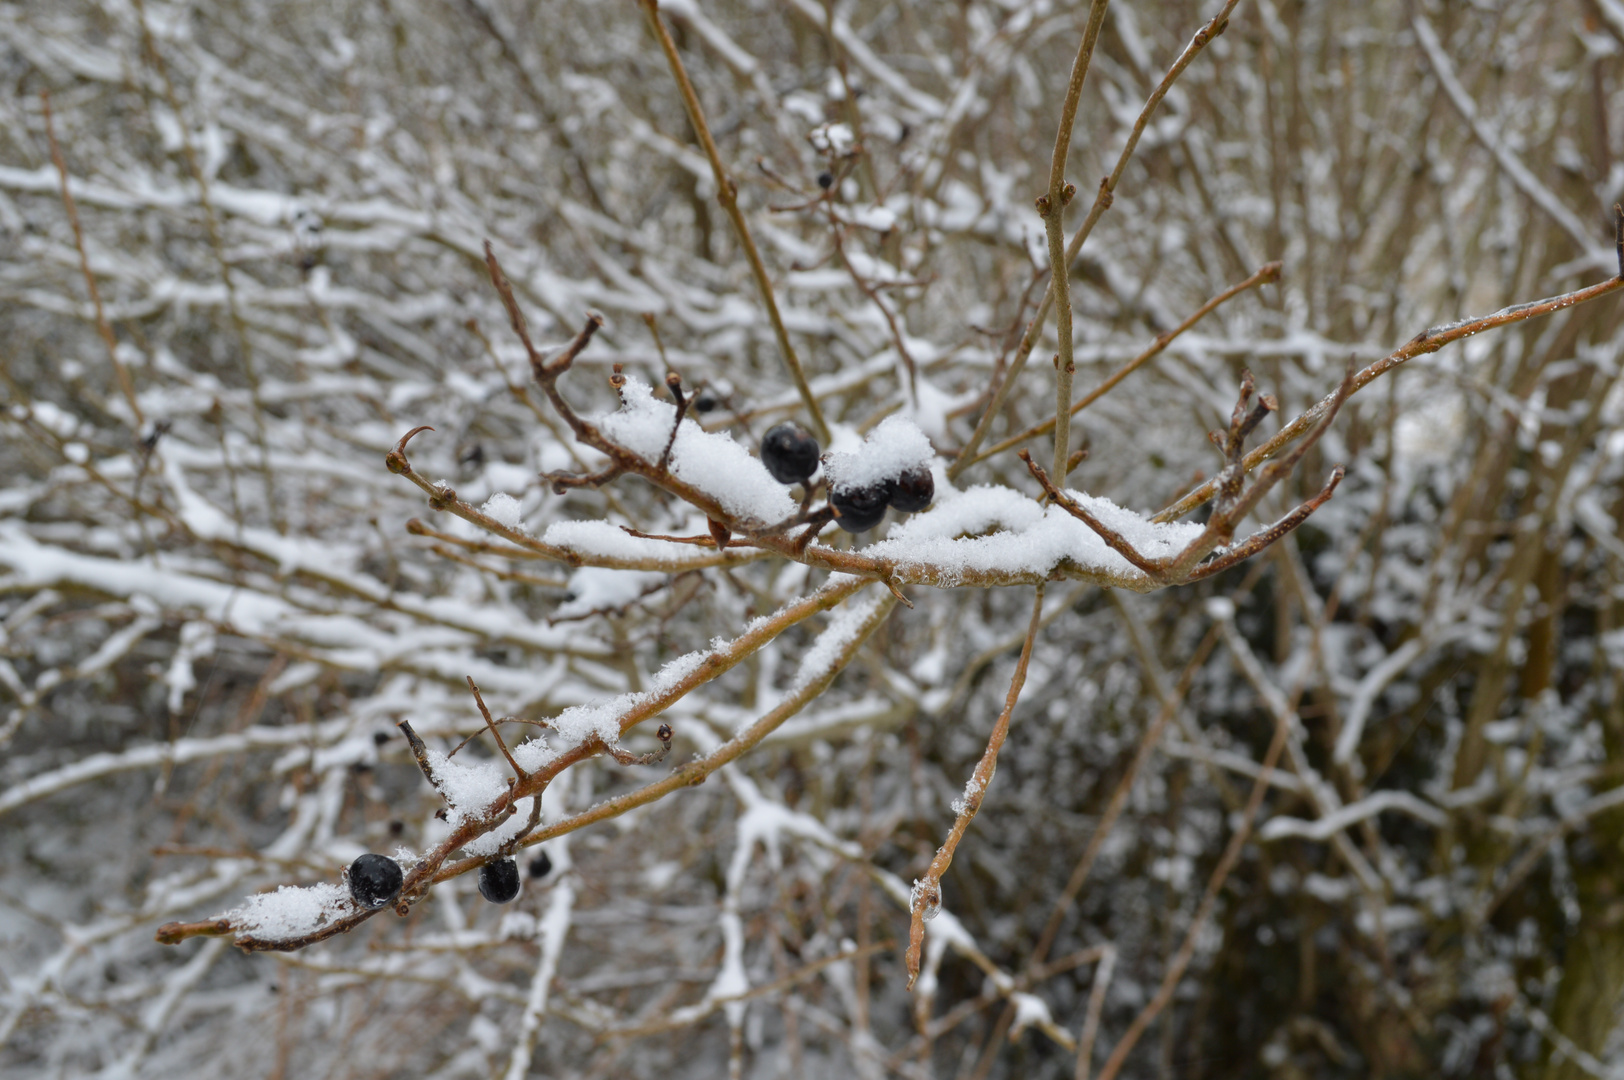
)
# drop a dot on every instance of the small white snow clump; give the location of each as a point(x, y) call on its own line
point(891, 449)
point(291, 911)
point(504, 509)
point(710, 461)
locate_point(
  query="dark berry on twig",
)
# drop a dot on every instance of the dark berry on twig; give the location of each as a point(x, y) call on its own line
point(499, 881)
point(914, 491)
point(826, 180)
point(790, 453)
point(375, 880)
point(859, 509)
point(541, 865)
point(705, 402)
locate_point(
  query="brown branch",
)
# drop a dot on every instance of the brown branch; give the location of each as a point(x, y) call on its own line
point(490, 725)
point(927, 895)
point(1114, 539)
point(1267, 536)
point(1428, 341)
point(1265, 275)
point(697, 771)
point(653, 757)
point(103, 327)
point(1209, 900)
point(727, 193)
point(1052, 208)
point(1102, 202)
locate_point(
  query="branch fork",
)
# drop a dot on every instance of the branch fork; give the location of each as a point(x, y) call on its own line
point(1235, 500)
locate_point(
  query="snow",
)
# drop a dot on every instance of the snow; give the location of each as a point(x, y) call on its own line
point(1030, 1011)
point(710, 461)
point(491, 842)
point(505, 509)
point(470, 791)
point(895, 446)
point(844, 627)
point(606, 544)
point(291, 911)
point(833, 140)
point(593, 588)
point(581, 722)
point(988, 530)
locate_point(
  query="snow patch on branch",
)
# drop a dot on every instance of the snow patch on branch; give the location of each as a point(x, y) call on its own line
point(999, 530)
point(581, 722)
point(710, 461)
point(844, 627)
point(291, 911)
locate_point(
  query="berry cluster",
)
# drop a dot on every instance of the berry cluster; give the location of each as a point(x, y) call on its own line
point(859, 497)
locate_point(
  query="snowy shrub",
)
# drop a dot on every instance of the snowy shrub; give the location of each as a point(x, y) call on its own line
point(394, 583)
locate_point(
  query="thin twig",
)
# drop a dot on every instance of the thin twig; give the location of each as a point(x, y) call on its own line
point(1209, 900)
point(1096, 1004)
point(1119, 798)
point(927, 895)
point(125, 384)
point(1102, 202)
point(490, 725)
point(1265, 275)
point(1427, 341)
point(1052, 207)
point(727, 193)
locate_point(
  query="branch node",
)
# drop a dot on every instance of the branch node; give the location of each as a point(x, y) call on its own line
point(395, 460)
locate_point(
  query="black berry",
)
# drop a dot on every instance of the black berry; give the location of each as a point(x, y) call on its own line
point(826, 180)
point(705, 402)
point(790, 453)
point(375, 880)
point(380, 737)
point(541, 865)
point(859, 509)
point(914, 491)
point(499, 881)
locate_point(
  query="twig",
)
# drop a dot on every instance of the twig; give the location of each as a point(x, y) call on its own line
point(697, 771)
point(674, 382)
point(1209, 900)
point(1102, 202)
point(1096, 1005)
point(490, 726)
point(1618, 235)
point(1264, 275)
point(211, 224)
point(125, 384)
point(1052, 207)
point(1525, 181)
point(727, 193)
point(1119, 798)
point(1428, 341)
point(653, 757)
point(927, 894)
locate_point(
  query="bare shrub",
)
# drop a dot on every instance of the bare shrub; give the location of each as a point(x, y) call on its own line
point(382, 383)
